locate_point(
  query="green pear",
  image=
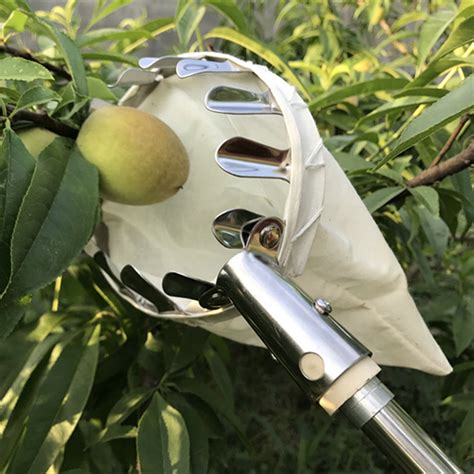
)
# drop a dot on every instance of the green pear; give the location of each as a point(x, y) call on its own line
point(36, 140)
point(139, 158)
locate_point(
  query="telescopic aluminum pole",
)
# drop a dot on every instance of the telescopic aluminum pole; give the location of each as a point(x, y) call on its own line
point(330, 365)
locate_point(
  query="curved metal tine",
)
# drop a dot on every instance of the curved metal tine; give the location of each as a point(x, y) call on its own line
point(134, 280)
point(164, 62)
point(227, 227)
point(191, 67)
point(103, 262)
point(246, 158)
point(206, 293)
point(182, 286)
point(135, 77)
point(233, 100)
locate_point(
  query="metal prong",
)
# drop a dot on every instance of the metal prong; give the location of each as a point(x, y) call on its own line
point(165, 62)
point(182, 286)
point(134, 280)
point(134, 298)
point(233, 100)
point(190, 67)
point(229, 227)
point(246, 158)
point(206, 293)
point(135, 77)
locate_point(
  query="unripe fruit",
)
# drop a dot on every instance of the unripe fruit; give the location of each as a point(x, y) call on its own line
point(139, 158)
point(36, 140)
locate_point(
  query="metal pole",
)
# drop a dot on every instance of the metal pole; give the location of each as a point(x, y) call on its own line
point(318, 353)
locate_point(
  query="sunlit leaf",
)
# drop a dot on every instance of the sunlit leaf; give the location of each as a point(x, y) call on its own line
point(162, 440)
point(379, 198)
point(459, 37)
point(36, 96)
point(431, 31)
point(58, 405)
point(61, 199)
point(363, 88)
point(443, 111)
point(19, 69)
point(396, 105)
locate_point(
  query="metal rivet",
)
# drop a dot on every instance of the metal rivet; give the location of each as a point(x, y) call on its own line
point(311, 366)
point(270, 236)
point(322, 306)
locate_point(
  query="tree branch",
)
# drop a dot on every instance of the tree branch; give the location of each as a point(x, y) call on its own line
point(44, 121)
point(446, 168)
point(451, 140)
point(59, 71)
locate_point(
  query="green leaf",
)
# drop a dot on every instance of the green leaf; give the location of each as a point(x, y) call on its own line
point(61, 200)
point(20, 166)
point(115, 432)
point(232, 12)
point(336, 96)
point(396, 105)
point(16, 423)
point(187, 21)
point(462, 182)
point(10, 316)
point(68, 51)
point(443, 111)
point(15, 351)
point(214, 400)
point(36, 96)
point(437, 68)
point(98, 89)
point(107, 9)
point(130, 402)
point(458, 37)
point(36, 354)
point(58, 406)
point(99, 55)
point(463, 326)
point(16, 22)
point(19, 69)
point(465, 435)
point(162, 441)
point(111, 34)
point(379, 198)
point(428, 197)
point(198, 432)
point(155, 27)
point(220, 375)
point(431, 31)
point(435, 229)
point(349, 162)
point(191, 346)
point(422, 92)
point(261, 50)
point(407, 18)
point(71, 54)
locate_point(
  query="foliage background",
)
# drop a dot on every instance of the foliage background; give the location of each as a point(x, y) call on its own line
point(89, 385)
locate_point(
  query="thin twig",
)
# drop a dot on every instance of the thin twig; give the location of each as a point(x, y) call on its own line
point(388, 31)
point(447, 168)
point(59, 71)
point(43, 120)
point(450, 141)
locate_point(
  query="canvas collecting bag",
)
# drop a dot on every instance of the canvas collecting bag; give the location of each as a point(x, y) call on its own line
point(331, 246)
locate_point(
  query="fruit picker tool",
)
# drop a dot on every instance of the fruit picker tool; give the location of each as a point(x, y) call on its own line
point(266, 230)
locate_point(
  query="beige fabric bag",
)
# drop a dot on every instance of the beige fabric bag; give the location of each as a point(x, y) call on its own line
point(332, 247)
